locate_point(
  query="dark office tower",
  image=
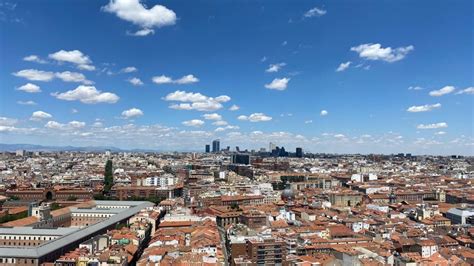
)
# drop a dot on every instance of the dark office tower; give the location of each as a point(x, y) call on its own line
point(237, 148)
point(208, 148)
point(299, 152)
point(241, 159)
point(216, 145)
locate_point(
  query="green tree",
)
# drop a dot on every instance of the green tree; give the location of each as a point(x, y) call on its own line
point(108, 177)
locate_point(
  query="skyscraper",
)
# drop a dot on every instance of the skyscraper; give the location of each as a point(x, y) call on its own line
point(299, 152)
point(208, 148)
point(216, 145)
point(271, 146)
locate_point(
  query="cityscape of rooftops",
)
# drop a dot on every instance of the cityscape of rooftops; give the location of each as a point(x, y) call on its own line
point(242, 133)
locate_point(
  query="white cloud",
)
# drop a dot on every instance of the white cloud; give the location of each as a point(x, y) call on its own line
point(343, 66)
point(86, 67)
point(183, 96)
point(6, 121)
point(142, 32)
point(132, 113)
point(34, 58)
point(278, 84)
point(136, 13)
point(213, 116)
point(68, 76)
point(255, 117)
point(308, 121)
point(442, 91)
point(88, 95)
point(129, 69)
point(375, 51)
point(284, 43)
point(234, 108)
point(263, 59)
point(469, 90)
point(432, 126)
point(315, 12)
point(35, 75)
point(135, 81)
point(324, 113)
point(77, 124)
point(188, 79)
point(30, 88)
point(220, 123)
point(162, 80)
point(275, 67)
point(339, 136)
point(76, 57)
point(40, 115)
point(220, 129)
point(26, 102)
point(193, 123)
point(195, 101)
point(73, 125)
point(74, 111)
point(415, 88)
point(440, 133)
point(54, 125)
point(423, 108)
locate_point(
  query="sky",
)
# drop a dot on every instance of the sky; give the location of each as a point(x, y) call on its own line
point(328, 76)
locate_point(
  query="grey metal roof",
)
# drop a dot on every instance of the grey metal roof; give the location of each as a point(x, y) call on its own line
point(96, 210)
point(60, 231)
point(50, 246)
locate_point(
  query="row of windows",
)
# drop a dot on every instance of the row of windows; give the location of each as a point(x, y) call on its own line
point(27, 237)
point(12, 260)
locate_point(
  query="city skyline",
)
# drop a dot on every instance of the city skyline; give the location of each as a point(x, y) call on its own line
point(174, 75)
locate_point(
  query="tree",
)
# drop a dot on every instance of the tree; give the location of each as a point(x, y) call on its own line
point(71, 198)
point(108, 177)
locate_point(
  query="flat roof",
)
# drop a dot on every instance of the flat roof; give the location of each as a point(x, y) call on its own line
point(53, 245)
point(18, 230)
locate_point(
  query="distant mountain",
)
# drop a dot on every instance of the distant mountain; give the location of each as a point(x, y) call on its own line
point(32, 147)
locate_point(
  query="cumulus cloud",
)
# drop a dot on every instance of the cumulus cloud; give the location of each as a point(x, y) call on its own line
point(195, 101)
point(73, 125)
point(35, 75)
point(26, 102)
point(308, 121)
point(68, 76)
point(135, 12)
point(129, 69)
point(187, 79)
point(443, 91)
point(88, 95)
point(213, 116)
point(34, 58)
point(234, 108)
point(315, 12)
point(30, 88)
point(132, 113)
point(135, 81)
point(6, 121)
point(39, 75)
point(278, 84)
point(220, 123)
point(415, 88)
point(76, 57)
point(432, 126)
point(40, 115)
point(255, 117)
point(275, 67)
point(375, 51)
point(343, 66)
point(469, 90)
point(440, 133)
point(423, 108)
point(324, 113)
point(193, 123)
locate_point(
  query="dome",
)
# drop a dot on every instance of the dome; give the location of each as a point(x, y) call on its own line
point(287, 194)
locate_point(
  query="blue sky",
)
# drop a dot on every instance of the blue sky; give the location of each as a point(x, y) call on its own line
point(329, 76)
